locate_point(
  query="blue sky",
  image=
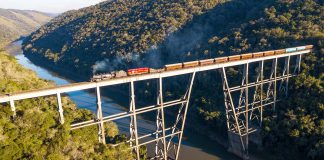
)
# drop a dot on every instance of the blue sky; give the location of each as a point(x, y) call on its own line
point(50, 6)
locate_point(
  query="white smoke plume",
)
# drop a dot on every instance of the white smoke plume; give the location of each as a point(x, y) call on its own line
point(107, 65)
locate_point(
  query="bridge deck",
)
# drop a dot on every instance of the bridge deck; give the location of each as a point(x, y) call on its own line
point(122, 80)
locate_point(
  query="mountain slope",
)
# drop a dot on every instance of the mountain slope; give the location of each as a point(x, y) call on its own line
point(122, 29)
point(16, 23)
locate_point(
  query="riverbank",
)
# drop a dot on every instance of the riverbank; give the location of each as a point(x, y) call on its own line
point(36, 124)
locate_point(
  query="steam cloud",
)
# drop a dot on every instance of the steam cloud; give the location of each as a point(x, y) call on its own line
point(107, 65)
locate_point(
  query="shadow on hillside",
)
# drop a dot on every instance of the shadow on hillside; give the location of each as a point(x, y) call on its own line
point(181, 45)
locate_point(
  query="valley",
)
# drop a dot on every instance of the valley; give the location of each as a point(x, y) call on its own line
point(121, 35)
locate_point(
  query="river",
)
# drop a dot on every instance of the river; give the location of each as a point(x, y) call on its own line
point(194, 147)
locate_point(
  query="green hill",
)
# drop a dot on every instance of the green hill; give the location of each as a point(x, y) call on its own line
point(16, 23)
point(123, 29)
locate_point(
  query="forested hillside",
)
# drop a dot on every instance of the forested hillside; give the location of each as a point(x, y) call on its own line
point(35, 133)
point(123, 29)
point(123, 34)
point(16, 23)
point(296, 132)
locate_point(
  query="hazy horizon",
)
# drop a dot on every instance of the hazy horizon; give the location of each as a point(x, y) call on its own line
point(57, 6)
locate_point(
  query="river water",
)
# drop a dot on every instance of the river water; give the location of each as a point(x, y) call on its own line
point(194, 147)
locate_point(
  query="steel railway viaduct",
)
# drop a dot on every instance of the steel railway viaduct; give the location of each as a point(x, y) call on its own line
point(244, 112)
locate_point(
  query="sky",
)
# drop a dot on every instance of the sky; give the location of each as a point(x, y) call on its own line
point(49, 6)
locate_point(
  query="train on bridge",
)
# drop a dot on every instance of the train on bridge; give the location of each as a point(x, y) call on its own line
point(146, 70)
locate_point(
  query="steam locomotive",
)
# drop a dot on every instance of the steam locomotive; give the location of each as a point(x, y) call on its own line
point(169, 67)
point(121, 73)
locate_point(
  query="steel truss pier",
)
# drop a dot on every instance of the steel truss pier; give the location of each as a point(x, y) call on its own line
point(245, 103)
point(245, 116)
point(166, 140)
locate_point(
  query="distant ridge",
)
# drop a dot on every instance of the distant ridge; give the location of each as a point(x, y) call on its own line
point(53, 14)
point(16, 23)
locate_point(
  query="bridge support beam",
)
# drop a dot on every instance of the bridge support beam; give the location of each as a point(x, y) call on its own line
point(244, 117)
point(298, 63)
point(101, 128)
point(13, 108)
point(174, 142)
point(184, 114)
point(257, 113)
point(271, 94)
point(283, 88)
point(60, 108)
point(237, 129)
point(133, 122)
point(167, 140)
point(160, 144)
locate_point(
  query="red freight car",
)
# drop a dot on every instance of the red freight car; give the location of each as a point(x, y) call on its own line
point(137, 71)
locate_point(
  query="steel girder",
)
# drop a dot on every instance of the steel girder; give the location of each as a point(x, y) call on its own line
point(169, 146)
point(246, 117)
point(167, 140)
point(160, 144)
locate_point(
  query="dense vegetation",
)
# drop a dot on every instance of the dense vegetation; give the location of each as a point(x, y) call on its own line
point(118, 29)
point(296, 132)
point(35, 132)
point(17, 23)
point(112, 33)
